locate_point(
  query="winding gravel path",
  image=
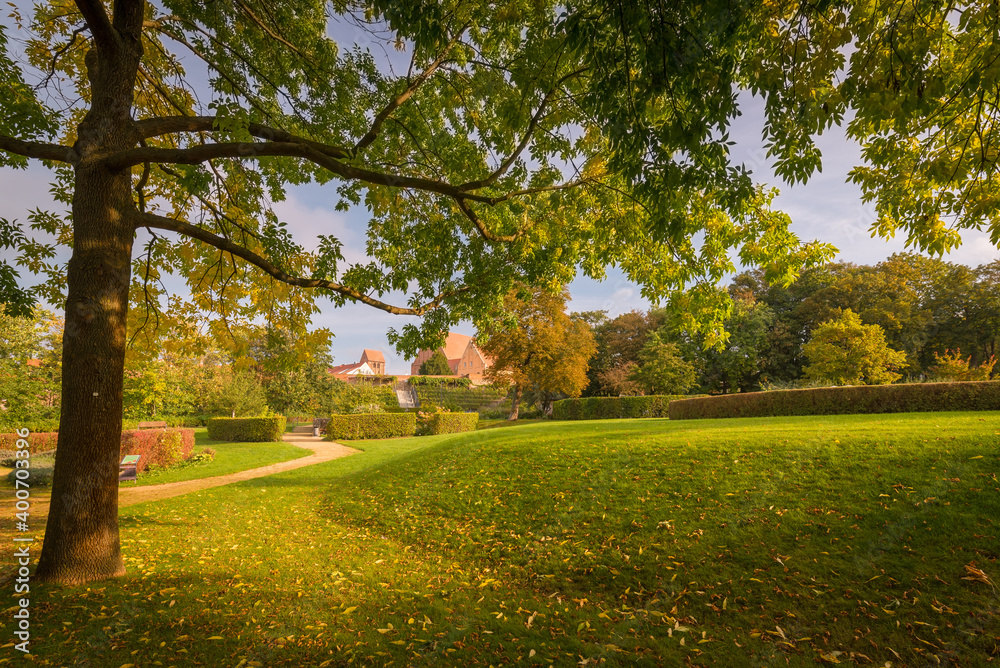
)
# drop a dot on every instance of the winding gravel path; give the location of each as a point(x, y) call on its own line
point(323, 451)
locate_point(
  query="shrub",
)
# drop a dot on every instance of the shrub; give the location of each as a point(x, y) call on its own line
point(247, 430)
point(609, 408)
point(39, 473)
point(371, 425)
point(364, 397)
point(910, 398)
point(37, 441)
point(452, 423)
point(158, 448)
point(205, 456)
point(951, 367)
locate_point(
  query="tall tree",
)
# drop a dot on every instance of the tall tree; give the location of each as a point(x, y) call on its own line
point(435, 365)
point(541, 348)
point(661, 369)
point(740, 363)
point(844, 351)
point(619, 341)
point(507, 141)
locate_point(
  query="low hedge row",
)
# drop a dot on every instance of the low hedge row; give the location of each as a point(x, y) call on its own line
point(453, 423)
point(609, 408)
point(361, 426)
point(158, 447)
point(909, 398)
point(247, 430)
point(37, 441)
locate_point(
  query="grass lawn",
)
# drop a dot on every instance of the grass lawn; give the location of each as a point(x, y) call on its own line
point(493, 424)
point(229, 458)
point(791, 541)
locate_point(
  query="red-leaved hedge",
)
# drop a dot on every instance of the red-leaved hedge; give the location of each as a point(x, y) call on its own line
point(40, 442)
point(159, 447)
point(909, 398)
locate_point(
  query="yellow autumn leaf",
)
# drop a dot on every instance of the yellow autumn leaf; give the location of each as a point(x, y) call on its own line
point(349, 610)
point(215, 638)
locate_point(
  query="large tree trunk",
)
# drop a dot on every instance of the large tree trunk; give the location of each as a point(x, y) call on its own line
point(81, 537)
point(515, 403)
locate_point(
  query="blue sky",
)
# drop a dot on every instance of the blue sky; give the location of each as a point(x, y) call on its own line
point(827, 208)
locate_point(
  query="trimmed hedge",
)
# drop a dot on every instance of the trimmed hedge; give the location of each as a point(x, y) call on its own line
point(158, 447)
point(610, 408)
point(362, 426)
point(453, 423)
point(909, 398)
point(37, 442)
point(247, 430)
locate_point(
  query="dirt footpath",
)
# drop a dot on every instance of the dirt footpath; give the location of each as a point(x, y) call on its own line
point(323, 451)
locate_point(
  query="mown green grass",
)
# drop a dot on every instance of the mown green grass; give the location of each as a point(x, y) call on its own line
point(717, 543)
point(494, 424)
point(229, 458)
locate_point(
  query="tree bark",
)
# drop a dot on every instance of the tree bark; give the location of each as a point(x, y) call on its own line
point(81, 536)
point(515, 403)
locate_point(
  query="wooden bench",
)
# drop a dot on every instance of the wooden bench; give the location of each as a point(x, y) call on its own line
point(128, 469)
point(152, 425)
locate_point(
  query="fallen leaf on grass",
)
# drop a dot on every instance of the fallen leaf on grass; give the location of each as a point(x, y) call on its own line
point(977, 575)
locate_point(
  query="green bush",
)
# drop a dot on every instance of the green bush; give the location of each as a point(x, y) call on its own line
point(39, 473)
point(371, 425)
point(909, 398)
point(247, 430)
point(609, 408)
point(364, 397)
point(452, 423)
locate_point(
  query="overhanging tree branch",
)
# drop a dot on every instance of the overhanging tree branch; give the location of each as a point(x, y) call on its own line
point(485, 231)
point(251, 150)
point(528, 134)
point(400, 99)
point(39, 150)
point(187, 229)
point(153, 127)
point(100, 25)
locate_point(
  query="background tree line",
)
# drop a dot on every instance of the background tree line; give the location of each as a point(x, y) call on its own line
point(944, 319)
point(179, 375)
